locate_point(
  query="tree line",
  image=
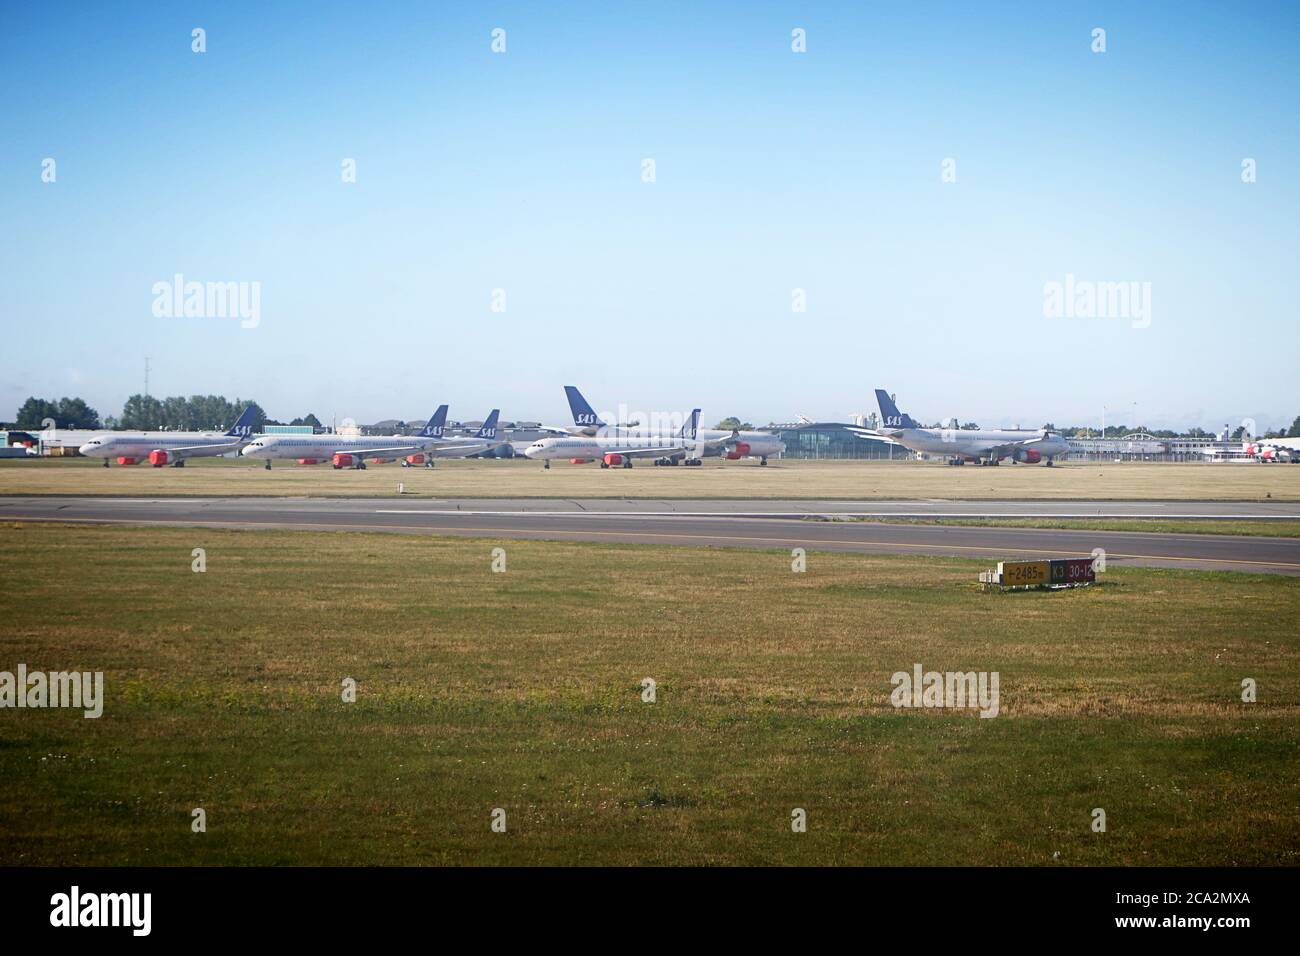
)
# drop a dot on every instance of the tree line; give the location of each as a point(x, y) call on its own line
point(214, 412)
point(146, 413)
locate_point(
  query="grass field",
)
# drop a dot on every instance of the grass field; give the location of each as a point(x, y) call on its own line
point(1251, 528)
point(715, 479)
point(522, 690)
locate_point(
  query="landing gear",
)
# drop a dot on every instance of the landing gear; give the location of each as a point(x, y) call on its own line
point(179, 464)
point(1048, 463)
point(546, 465)
point(361, 466)
point(105, 462)
point(693, 461)
point(627, 462)
point(268, 464)
point(428, 463)
point(763, 460)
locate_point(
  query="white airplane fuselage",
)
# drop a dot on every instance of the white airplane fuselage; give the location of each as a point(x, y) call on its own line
point(980, 443)
point(629, 444)
point(324, 447)
point(139, 444)
point(760, 444)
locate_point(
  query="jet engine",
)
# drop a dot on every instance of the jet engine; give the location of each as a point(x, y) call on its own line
point(737, 451)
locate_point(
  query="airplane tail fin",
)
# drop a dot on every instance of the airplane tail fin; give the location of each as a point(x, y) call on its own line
point(584, 416)
point(435, 425)
point(890, 416)
point(692, 425)
point(243, 426)
point(489, 429)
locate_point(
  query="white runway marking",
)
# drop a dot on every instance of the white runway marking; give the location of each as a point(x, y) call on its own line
point(832, 514)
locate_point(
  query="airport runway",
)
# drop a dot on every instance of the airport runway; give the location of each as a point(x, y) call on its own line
point(828, 526)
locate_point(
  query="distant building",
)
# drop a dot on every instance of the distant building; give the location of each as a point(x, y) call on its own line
point(834, 440)
point(1140, 446)
point(389, 426)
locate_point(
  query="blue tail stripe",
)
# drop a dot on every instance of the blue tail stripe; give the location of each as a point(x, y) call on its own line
point(692, 425)
point(890, 416)
point(243, 426)
point(583, 414)
point(435, 425)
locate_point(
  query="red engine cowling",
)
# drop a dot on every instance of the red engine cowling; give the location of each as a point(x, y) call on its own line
point(158, 458)
point(309, 461)
point(1030, 456)
point(613, 460)
point(343, 461)
point(415, 459)
point(740, 450)
point(579, 461)
point(126, 461)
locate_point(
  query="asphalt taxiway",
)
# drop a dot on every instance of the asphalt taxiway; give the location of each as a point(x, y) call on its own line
point(820, 525)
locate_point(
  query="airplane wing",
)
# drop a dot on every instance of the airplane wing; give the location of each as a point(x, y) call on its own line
point(1009, 448)
point(220, 447)
point(392, 452)
point(463, 447)
point(659, 452)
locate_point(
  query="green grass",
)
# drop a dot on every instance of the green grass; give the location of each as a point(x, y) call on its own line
point(522, 690)
point(1260, 528)
point(781, 479)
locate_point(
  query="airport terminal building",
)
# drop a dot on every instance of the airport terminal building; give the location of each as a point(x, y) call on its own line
point(834, 441)
point(1141, 446)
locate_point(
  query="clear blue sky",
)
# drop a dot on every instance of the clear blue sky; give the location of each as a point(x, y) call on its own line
point(775, 171)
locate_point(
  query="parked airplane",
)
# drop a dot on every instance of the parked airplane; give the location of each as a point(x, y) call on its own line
point(613, 448)
point(988, 447)
point(1270, 450)
point(350, 451)
point(732, 445)
point(463, 447)
point(174, 448)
